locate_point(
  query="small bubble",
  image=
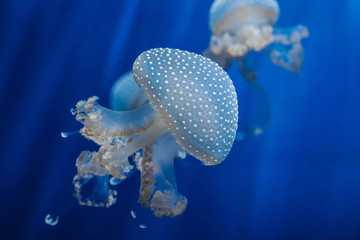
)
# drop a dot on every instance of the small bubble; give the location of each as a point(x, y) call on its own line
point(51, 220)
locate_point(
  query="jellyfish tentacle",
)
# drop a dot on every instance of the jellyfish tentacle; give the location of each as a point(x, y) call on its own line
point(246, 69)
point(246, 37)
point(98, 193)
point(53, 218)
point(102, 125)
point(125, 137)
point(257, 116)
point(133, 129)
point(92, 187)
point(147, 179)
point(289, 36)
point(94, 168)
point(158, 183)
point(286, 49)
point(119, 156)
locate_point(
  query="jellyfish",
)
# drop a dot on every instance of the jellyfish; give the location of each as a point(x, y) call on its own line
point(184, 103)
point(242, 26)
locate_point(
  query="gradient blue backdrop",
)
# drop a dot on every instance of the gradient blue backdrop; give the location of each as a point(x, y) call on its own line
point(300, 180)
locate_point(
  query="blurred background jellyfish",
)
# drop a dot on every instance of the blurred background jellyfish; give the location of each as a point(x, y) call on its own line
point(180, 102)
point(240, 27)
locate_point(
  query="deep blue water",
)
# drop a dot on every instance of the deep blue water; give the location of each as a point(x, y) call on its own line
point(299, 180)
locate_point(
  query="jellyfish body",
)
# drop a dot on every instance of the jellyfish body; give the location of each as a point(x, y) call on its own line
point(126, 94)
point(240, 26)
point(191, 106)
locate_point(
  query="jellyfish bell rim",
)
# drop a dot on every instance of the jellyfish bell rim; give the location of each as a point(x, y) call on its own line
point(215, 158)
point(238, 11)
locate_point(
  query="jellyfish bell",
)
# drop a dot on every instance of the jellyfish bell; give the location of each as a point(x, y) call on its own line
point(126, 94)
point(195, 99)
point(240, 26)
point(261, 11)
point(191, 106)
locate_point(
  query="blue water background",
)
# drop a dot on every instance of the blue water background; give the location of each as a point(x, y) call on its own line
point(299, 180)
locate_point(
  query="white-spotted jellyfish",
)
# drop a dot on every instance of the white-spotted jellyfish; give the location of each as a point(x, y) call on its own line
point(239, 29)
point(185, 103)
point(241, 26)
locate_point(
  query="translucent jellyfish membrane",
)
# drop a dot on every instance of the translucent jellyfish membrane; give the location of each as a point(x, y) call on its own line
point(126, 94)
point(185, 103)
point(239, 26)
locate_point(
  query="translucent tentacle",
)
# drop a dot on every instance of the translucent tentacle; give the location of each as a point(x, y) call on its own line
point(120, 135)
point(53, 218)
point(257, 111)
point(286, 49)
point(94, 191)
point(92, 186)
point(158, 184)
point(246, 69)
point(112, 158)
point(116, 158)
point(239, 41)
point(102, 125)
